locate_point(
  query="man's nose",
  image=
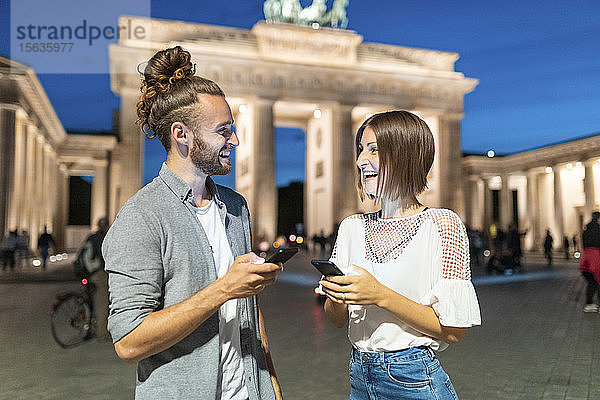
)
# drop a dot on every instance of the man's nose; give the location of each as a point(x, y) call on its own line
point(233, 140)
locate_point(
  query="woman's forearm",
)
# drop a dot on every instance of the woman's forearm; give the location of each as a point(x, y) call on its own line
point(419, 317)
point(337, 313)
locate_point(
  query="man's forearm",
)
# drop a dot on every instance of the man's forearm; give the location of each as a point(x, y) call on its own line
point(162, 329)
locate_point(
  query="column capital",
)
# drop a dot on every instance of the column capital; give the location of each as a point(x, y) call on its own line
point(260, 101)
point(10, 107)
point(100, 163)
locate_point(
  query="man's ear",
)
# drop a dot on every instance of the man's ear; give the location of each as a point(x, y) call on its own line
point(180, 133)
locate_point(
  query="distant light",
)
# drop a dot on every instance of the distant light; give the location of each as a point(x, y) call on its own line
point(263, 254)
point(317, 113)
point(276, 244)
point(316, 25)
point(569, 166)
point(292, 238)
point(52, 258)
point(486, 253)
point(299, 240)
point(242, 108)
point(578, 164)
point(263, 246)
point(317, 291)
point(548, 170)
point(65, 256)
point(36, 262)
point(577, 254)
point(84, 281)
point(491, 153)
point(59, 257)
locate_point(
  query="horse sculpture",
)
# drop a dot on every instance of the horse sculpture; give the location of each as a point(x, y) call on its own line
point(337, 17)
point(313, 13)
point(291, 11)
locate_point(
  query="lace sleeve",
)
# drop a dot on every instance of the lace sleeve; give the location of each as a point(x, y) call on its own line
point(453, 297)
point(454, 246)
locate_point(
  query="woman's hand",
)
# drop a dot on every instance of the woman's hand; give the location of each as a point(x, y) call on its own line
point(361, 288)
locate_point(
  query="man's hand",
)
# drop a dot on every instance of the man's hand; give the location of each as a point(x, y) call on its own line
point(249, 275)
point(361, 288)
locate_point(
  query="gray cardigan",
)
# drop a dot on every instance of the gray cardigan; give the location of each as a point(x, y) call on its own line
point(158, 255)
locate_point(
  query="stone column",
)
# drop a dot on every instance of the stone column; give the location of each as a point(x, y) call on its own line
point(532, 217)
point(558, 206)
point(53, 192)
point(506, 214)
point(25, 220)
point(450, 162)
point(131, 147)
point(114, 185)
point(589, 190)
point(99, 191)
point(255, 166)
point(345, 197)
point(7, 170)
point(487, 206)
point(474, 205)
point(18, 201)
point(37, 207)
point(470, 193)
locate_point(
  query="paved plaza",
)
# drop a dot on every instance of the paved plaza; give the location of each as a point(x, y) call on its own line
point(535, 342)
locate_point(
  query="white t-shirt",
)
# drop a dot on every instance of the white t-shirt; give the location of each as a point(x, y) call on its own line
point(231, 369)
point(424, 257)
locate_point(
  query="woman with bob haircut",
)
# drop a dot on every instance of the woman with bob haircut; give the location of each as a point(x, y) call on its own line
point(407, 288)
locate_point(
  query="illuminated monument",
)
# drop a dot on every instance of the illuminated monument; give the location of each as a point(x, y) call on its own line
point(322, 80)
point(37, 157)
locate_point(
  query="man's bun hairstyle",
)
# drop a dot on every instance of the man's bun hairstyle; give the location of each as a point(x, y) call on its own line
point(169, 88)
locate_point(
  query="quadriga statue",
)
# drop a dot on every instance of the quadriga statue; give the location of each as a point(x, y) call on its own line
point(313, 13)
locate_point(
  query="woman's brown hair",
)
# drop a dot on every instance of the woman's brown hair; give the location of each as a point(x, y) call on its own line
point(169, 88)
point(406, 149)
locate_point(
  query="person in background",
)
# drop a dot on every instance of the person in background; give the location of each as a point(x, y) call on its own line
point(45, 242)
point(589, 265)
point(8, 247)
point(22, 251)
point(566, 244)
point(407, 291)
point(514, 245)
point(548, 247)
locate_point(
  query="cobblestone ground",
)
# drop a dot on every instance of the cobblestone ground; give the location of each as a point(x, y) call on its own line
point(535, 342)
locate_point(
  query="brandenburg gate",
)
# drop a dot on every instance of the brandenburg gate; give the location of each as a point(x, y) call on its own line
point(325, 81)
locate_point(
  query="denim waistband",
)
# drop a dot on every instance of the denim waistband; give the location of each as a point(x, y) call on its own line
point(410, 354)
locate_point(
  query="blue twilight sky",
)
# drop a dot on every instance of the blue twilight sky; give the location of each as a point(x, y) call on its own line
point(537, 62)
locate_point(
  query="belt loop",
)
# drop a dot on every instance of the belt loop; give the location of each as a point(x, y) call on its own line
point(431, 352)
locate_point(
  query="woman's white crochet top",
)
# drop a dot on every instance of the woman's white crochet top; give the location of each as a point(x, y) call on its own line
point(424, 257)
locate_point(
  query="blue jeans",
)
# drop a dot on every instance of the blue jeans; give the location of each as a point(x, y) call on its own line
point(414, 373)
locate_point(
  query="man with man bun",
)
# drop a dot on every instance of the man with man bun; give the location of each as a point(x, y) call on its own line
point(182, 276)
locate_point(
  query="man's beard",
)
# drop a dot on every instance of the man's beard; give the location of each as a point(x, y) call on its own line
point(206, 159)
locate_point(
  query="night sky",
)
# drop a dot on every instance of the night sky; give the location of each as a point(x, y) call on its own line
point(537, 63)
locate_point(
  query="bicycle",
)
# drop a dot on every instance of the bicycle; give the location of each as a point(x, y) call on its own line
point(72, 319)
